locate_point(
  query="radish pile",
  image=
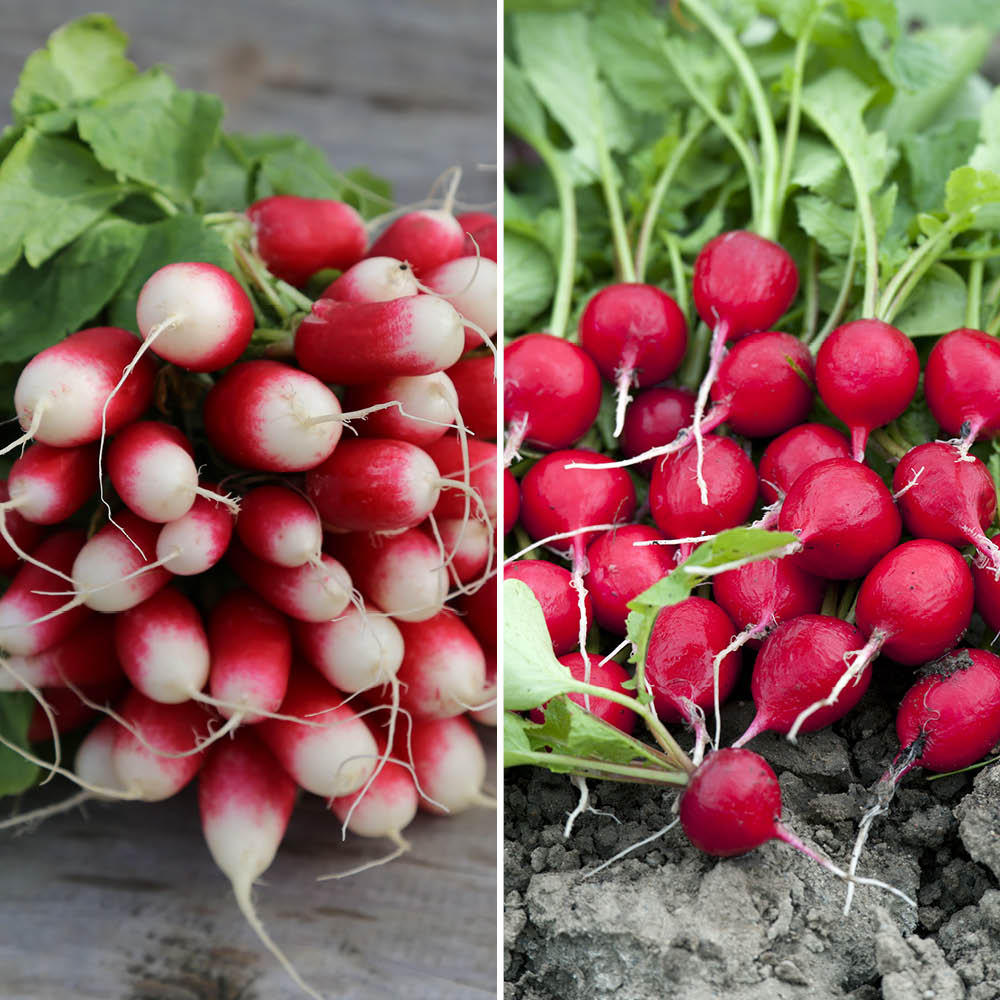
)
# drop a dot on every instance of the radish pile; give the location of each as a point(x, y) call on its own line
point(806, 478)
point(249, 527)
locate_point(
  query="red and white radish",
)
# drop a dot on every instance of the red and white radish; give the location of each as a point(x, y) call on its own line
point(423, 238)
point(374, 279)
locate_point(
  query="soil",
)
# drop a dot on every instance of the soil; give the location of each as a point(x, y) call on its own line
point(668, 921)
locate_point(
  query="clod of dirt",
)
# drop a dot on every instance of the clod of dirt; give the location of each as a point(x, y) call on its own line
point(913, 967)
point(979, 819)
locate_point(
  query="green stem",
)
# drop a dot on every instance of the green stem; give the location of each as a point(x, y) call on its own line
point(566, 272)
point(847, 599)
point(722, 123)
point(602, 769)
point(659, 192)
point(837, 312)
point(767, 223)
point(812, 293)
point(891, 303)
point(694, 360)
point(616, 218)
point(794, 114)
point(887, 443)
point(680, 283)
point(974, 304)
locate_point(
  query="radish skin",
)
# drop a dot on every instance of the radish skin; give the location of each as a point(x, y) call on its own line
point(374, 279)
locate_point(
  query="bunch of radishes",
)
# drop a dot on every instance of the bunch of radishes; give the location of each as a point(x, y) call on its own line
point(240, 589)
point(873, 574)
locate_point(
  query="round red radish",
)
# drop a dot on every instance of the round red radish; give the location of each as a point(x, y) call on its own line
point(799, 665)
point(551, 392)
point(424, 239)
point(468, 543)
point(195, 315)
point(952, 713)
point(551, 586)
point(732, 803)
point(271, 417)
point(764, 384)
point(621, 570)
point(374, 279)
point(480, 612)
point(674, 498)
point(769, 592)
point(655, 417)
point(962, 383)
point(447, 455)
point(280, 525)
point(609, 675)
point(987, 593)
point(65, 388)
point(743, 282)
point(47, 485)
point(845, 517)
point(511, 501)
point(951, 498)
point(635, 334)
point(866, 373)
point(296, 237)
point(920, 596)
point(685, 639)
point(791, 453)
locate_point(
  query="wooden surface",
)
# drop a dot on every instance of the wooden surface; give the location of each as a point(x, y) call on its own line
point(123, 902)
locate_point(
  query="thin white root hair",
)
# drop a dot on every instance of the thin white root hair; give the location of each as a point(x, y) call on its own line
point(785, 550)
point(243, 891)
point(633, 847)
point(614, 652)
point(517, 429)
point(717, 353)
point(402, 847)
point(560, 536)
point(28, 435)
point(24, 821)
point(914, 479)
point(583, 803)
point(21, 554)
point(738, 642)
point(226, 499)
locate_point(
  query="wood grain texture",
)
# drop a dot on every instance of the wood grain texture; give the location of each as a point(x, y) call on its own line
point(123, 902)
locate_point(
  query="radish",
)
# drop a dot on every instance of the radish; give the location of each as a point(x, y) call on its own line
point(635, 333)
point(469, 544)
point(760, 595)
point(374, 279)
point(281, 526)
point(296, 237)
point(151, 466)
point(70, 711)
point(32, 621)
point(424, 238)
point(559, 501)
point(479, 611)
point(552, 586)
point(799, 664)
point(621, 570)
point(474, 381)
point(354, 651)
point(680, 655)
point(677, 504)
point(354, 342)
point(194, 315)
point(916, 602)
point(962, 385)
point(742, 284)
point(947, 499)
point(157, 755)
point(866, 373)
point(655, 417)
point(845, 517)
point(791, 453)
point(115, 570)
point(374, 484)
point(764, 385)
point(447, 453)
point(401, 574)
point(443, 670)
point(250, 655)
point(470, 285)
point(194, 543)
point(71, 392)
point(246, 801)
point(947, 720)
point(313, 592)
point(335, 757)
point(551, 393)
point(163, 648)
point(84, 657)
point(272, 417)
point(607, 674)
point(987, 594)
point(449, 764)
point(426, 407)
point(480, 233)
